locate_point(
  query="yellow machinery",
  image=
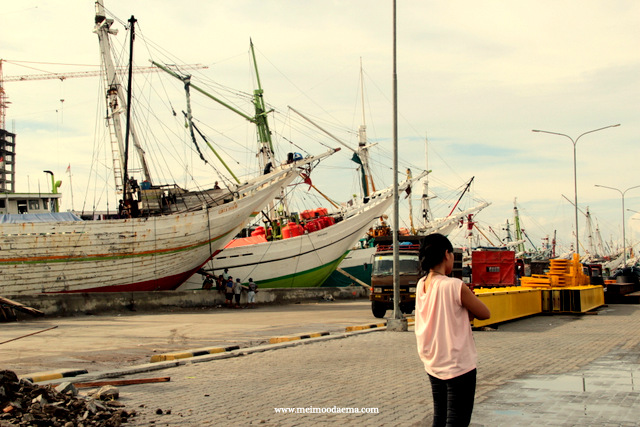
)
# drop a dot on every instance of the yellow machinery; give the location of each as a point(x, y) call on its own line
point(565, 289)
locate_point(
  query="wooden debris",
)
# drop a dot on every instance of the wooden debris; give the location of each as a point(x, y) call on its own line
point(28, 335)
point(122, 382)
point(8, 306)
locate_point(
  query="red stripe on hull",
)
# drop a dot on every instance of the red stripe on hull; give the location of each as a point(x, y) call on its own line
point(169, 283)
point(163, 284)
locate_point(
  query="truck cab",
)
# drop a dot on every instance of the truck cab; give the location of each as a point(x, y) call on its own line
point(409, 273)
point(381, 296)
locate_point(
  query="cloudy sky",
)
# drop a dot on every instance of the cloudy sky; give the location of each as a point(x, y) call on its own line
point(475, 77)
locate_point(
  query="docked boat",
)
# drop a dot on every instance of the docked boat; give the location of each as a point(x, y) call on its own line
point(164, 233)
point(305, 259)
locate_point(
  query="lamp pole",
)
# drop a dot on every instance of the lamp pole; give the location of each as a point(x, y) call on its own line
point(575, 176)
point(624, 236)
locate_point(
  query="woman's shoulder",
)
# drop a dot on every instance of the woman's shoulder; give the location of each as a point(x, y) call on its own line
point(452, 281)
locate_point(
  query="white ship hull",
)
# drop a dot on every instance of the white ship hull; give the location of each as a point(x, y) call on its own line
point(301, 261)
point(135, 254)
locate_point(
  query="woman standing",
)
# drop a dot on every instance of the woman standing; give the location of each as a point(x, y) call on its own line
point(444, 308)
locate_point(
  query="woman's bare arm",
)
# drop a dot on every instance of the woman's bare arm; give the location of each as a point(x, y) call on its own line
point(473, 304)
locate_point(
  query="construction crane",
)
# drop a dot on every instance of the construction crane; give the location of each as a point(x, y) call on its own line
point(4, 104)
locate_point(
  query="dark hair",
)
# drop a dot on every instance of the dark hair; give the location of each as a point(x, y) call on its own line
point(433, 249)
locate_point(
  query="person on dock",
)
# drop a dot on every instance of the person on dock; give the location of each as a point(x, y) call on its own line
point(207, 283)
point(220, 284)
point(228, 292)
point(444, 308)
point(237, 291)
point(252, 288)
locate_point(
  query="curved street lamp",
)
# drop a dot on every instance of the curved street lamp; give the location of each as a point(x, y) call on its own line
point(575, 179)
point(624, 237)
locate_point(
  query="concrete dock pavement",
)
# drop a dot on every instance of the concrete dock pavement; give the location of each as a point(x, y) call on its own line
point(563, 370)
point(100, 342)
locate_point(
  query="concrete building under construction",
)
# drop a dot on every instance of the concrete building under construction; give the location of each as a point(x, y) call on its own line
point(7, 161)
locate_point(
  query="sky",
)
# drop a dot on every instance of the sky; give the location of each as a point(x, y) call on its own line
point(473, 77)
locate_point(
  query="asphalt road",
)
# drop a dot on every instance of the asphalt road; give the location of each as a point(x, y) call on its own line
point(97, 343)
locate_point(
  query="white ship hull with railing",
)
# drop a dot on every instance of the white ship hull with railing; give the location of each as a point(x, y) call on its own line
point(133, 254)
point(302, 261)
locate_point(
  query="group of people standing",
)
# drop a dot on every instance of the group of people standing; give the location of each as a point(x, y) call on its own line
point(232, 289)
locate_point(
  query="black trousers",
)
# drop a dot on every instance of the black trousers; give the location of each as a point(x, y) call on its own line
point(453, 400)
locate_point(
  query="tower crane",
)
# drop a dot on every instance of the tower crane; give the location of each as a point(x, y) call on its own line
point(4, 104)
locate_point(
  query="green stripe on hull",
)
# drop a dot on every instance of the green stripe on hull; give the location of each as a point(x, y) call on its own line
point(304, 279)
point(337, 279)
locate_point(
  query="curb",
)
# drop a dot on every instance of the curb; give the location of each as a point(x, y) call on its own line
point(410, 321)
point(363, 327)
point(190, 353)
point(276, 340)
point(46, 376)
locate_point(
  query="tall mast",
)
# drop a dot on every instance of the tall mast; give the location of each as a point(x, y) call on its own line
point(413, 229)
point(264, 134)
point(132, 36)
point(516, 220)
point(266, 154)
point(507, 228)
point(363, 152)
point(461, 195)
point(599, 243)
point(590, 241)
point(116, 102)
point(426, 209)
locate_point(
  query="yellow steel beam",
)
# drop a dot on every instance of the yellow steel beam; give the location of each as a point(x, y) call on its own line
point(508, 303)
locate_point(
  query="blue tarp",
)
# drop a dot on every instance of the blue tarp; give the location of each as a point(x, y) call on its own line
point(39, 217)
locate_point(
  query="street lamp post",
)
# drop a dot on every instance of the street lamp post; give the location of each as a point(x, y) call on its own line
point(624, 237)
point(575, 176)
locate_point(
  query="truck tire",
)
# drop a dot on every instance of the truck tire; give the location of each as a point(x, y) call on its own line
point(378, 309)
point(407, 308)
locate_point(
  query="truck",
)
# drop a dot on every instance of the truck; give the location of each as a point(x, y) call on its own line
point(381, 295)
point(409, 273)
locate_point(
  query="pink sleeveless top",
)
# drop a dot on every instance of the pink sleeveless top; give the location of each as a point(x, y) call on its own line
point(443, 330)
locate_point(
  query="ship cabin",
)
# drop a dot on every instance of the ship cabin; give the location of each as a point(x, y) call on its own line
point(28, 203)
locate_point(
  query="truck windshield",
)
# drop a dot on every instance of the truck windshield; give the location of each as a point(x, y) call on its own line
point(383, 264)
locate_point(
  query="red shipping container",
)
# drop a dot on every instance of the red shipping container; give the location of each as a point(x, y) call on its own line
point(493, 268)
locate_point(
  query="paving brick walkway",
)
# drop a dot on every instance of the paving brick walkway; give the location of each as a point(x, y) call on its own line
point(530, 373)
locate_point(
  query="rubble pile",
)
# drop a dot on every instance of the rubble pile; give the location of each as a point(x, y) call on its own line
point(24, 404)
